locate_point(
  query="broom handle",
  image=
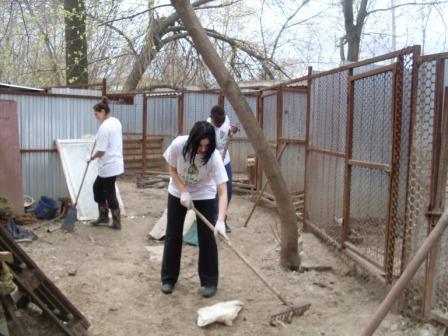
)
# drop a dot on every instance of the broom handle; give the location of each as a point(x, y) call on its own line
point(84, 176)
point(244, 259)
point(263, 189)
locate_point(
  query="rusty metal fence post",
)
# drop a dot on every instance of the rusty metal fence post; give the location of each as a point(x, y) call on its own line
point(144, 132)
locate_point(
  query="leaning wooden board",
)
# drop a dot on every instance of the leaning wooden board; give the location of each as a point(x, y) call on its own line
point(42, 291)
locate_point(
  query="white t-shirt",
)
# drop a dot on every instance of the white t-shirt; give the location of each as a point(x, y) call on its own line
point(201, 180)
point(222, 136)
point(110, 141)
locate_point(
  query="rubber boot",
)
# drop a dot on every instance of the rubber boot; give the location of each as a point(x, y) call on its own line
point(103, 215)
point(116, 219)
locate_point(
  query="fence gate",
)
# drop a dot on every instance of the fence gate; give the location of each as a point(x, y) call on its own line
point(372, 168)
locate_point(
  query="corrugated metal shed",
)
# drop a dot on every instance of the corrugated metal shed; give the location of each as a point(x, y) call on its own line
point(163, 117)
point(197, 106)
point(43, 119)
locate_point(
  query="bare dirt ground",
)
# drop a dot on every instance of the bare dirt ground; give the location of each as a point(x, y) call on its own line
point(117, 282)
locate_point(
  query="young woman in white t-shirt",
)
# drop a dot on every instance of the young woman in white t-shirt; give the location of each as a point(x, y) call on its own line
point(197, 173)
point(109, 151)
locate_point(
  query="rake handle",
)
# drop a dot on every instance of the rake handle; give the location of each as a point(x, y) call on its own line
point(244, 259)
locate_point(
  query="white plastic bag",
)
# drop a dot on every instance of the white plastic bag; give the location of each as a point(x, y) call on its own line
point(222, 312)
point(159, 229)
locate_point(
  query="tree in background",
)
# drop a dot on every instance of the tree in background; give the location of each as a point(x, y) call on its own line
point(75, 42)
point(289, 256)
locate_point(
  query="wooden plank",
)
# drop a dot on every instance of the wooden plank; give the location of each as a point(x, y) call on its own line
point(11, 186)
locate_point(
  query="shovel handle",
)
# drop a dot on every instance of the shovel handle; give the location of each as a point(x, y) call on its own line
point(84, 176)
point(244, 259)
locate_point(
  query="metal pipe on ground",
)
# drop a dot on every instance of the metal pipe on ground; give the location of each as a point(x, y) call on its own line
point(407, 275)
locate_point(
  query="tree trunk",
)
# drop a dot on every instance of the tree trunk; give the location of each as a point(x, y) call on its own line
point(144, 59)
point(75, 42)
point(289, 233)
point(354, 40)
point(353, 30)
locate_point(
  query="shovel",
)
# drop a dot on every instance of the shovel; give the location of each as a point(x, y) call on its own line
point(72, 214)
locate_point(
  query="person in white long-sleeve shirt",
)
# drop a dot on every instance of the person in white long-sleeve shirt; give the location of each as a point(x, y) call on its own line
point(223, 131)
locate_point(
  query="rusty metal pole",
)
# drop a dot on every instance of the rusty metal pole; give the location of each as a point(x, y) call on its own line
point(407, 275)
point(180, 113)
point(144, 132)
point(307, 145)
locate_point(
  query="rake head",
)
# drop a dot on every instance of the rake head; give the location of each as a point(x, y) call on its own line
point(287, 314)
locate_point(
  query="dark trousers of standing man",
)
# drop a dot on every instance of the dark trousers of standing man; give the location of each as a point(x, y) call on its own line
point(104, 192)
point(208, 251)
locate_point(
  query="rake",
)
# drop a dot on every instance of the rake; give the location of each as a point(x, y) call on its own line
point(283, 316)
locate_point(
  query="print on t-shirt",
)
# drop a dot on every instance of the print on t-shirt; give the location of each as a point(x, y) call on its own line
point(190, 174)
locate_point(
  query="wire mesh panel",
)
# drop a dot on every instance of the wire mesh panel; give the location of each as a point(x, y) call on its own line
point(372, 118)
point(369, 203)
point(419, 185)
point(292, 166)
point(329, 112)
point(325, 193)
point(326, 162)
point(371, 165)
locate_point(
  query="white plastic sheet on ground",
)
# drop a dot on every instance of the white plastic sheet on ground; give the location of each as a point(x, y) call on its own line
point(222, 312)
point(74, 154)
point(159, 229)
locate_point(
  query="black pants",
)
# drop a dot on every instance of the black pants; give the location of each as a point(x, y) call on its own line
point(208, 251)
point(104, 191)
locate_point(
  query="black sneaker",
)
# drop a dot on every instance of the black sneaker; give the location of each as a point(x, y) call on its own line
point(209, 291)
point(167, 288)
point(228, 229)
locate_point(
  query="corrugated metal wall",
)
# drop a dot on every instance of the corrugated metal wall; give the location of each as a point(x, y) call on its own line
point(270, 117)
point(131, 116)
point(163, 117)
point(43, 119)
point(292, 162)
point(240, 149)
point(294, 115)
point(197, 106)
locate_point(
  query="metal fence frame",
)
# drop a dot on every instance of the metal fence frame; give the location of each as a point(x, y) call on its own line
point(313, 116)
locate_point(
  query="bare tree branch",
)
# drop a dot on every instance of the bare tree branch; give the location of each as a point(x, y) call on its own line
point(120, 32)
point(135, 15)
point(285, 27)
point(407, 4)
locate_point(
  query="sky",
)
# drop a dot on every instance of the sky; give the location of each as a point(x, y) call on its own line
point(315, 42)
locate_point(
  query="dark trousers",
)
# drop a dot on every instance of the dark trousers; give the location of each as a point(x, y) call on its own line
point(228, 168)
point(229, 182)
point(104, 191)
point(208, 251)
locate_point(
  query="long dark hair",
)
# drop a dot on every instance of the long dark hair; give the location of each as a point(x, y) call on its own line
point(103, 104)
point(201, 130)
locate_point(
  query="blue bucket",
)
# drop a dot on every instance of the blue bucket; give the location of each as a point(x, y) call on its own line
point(46, 208)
